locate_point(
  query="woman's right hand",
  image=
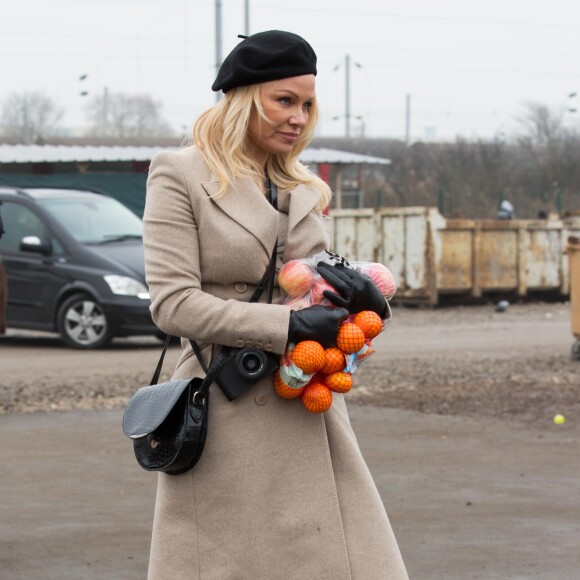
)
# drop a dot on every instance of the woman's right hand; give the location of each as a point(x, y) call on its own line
point(316, 322)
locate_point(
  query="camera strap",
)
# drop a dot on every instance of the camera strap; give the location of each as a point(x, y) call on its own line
point(267, 279)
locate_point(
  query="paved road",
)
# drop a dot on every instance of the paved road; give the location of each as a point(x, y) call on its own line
point(467, 498)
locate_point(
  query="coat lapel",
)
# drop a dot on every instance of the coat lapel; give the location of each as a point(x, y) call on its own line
point(247, 205)
point(302, 201)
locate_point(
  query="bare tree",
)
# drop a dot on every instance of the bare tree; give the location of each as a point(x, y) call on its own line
point(542, 125)
point(127, 115)
point(30, 116)
point(537, 170)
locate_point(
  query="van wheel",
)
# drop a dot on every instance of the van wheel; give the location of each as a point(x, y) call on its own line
point(82, 322)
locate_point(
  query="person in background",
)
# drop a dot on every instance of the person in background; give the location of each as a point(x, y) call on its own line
point(279, 493)
point(506, 211)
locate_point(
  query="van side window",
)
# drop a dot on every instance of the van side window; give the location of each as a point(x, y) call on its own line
point(19, 222)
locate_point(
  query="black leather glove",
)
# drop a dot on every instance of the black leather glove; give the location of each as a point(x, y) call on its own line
point(316, 322)
point(357, 291)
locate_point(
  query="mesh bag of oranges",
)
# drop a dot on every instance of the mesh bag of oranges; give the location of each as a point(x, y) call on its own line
point(303, 286)
point(312, 372)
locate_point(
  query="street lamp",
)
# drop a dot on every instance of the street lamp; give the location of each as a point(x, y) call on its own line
point(82, 78)
point(572, 109)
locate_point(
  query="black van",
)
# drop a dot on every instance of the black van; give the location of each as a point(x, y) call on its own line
point(74, 263)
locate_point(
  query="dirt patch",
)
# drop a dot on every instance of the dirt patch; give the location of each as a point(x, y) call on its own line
point(456, 361)
point(527, 389)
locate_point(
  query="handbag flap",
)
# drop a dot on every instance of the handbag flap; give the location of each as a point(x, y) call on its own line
point(149, 406)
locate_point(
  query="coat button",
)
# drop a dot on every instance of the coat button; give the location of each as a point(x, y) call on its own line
point(268, 347)
point(240, 343)
point(258, 344)
point(249, 343)
point(261, 399)
point(241, 286)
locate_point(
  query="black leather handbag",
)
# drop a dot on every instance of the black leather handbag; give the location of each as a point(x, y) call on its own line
point(168, 422)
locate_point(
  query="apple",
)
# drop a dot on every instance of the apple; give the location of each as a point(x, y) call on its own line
point(382, 277)
point(296, 278)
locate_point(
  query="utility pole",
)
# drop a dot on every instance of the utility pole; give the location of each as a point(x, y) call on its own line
point(347, 98)
point(247, 17)
point(105, 109)
point(218, 41)
point(408, 121)
point(347, 91)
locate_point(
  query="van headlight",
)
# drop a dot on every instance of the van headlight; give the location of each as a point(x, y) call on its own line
point(125, 286)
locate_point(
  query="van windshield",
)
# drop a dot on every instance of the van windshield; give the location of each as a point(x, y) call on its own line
point(95, 220)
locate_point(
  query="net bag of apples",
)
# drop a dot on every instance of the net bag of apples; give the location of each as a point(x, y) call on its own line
point(308, 370)
point(303, 286)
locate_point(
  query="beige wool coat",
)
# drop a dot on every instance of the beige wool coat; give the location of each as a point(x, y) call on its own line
point(279, 493)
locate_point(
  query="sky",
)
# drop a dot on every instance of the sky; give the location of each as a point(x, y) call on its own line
point(466, 67)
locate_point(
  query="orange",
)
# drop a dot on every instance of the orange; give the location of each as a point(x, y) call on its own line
point(283, 389)
point(318, 378)
point(316, 398)
point(369, 322)
point(350, 337)
point(339, 382)
point(308, 356)
point(335, 361)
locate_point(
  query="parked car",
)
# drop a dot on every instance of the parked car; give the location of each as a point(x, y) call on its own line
point(74, 263)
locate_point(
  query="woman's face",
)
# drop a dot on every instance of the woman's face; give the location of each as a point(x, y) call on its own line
point(286, 104)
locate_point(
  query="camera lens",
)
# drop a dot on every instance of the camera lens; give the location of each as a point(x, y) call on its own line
point(251, 362)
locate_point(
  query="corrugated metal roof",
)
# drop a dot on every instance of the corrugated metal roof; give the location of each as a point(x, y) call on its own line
point(324, 155)
point(73, 153)
point(88, 153)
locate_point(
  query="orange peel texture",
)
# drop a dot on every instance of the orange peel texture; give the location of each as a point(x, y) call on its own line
point(350, 337)
point(309, 356)
point(369, 322)
point(316, 398)
point(339, 382)
point(335, 361)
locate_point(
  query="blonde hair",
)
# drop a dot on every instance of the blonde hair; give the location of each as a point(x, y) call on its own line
point(221, 133)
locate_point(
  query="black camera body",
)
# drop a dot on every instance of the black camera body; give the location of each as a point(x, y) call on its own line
point(242, 368)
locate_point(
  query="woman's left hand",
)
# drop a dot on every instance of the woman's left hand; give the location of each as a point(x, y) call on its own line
point(357, 292)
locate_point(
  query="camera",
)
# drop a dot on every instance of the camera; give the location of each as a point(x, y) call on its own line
point(242, 368)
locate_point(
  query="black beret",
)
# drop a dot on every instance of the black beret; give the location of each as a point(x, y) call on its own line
point(265, 56)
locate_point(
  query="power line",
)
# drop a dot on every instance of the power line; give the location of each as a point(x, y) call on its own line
point(417, 17)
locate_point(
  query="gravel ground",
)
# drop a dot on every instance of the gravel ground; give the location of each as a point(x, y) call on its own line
point(456, 361)
point(527, 389)
point(518, 367)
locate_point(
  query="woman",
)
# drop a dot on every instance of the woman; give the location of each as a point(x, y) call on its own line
point(279, 492)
